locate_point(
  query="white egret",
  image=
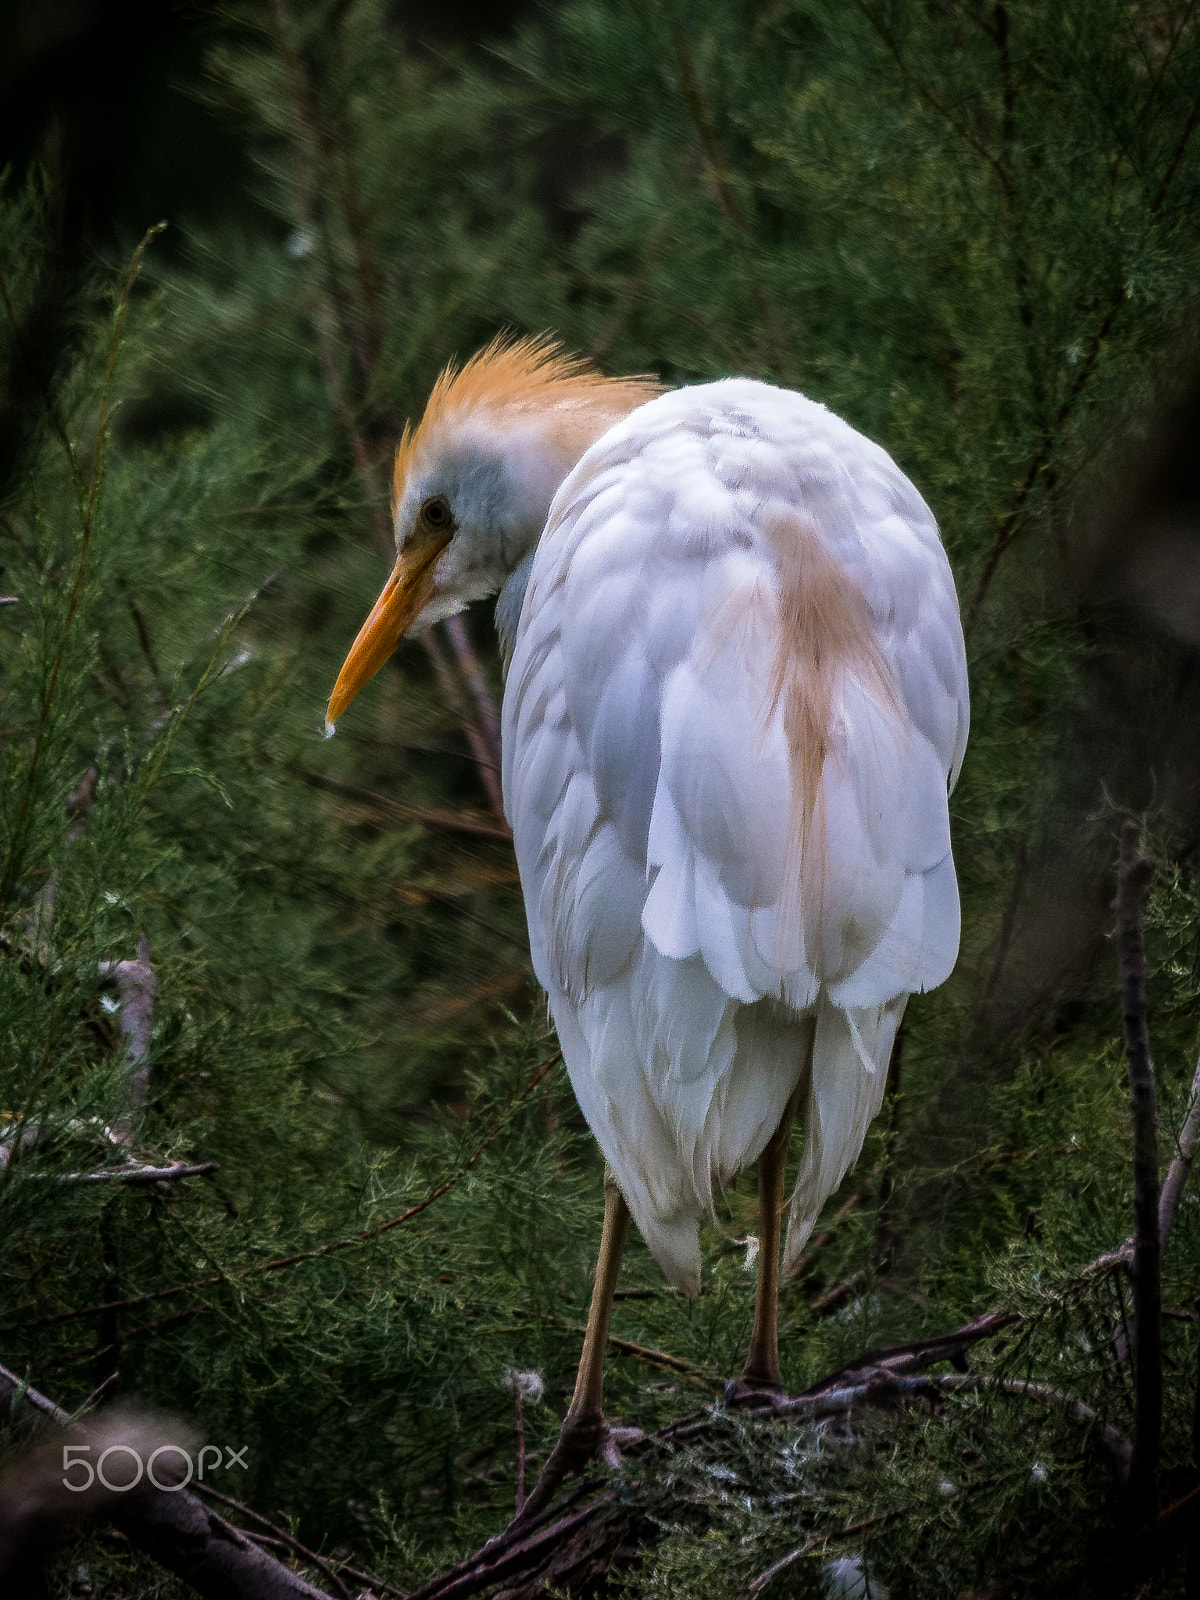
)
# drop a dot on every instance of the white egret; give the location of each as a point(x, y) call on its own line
point(736, 700)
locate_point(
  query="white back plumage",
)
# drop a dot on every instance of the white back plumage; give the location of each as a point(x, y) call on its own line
point(707, 934)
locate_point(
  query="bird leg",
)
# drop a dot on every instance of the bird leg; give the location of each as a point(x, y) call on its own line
point(583, 1426)
point(760, 1376)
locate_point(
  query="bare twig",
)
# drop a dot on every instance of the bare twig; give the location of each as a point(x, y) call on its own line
point(472, 822)
point(81, 800)
point(1009, 916)
point(487, 759)
point(138, 1173)
point(1181, 1165)
point(886, 1238)
point(1133, 879)
point(815, 1246)
point(523, 1385)
point(628, 1347)
point(468, 665)
point(833, 1299)
point(520, 1496)
point(817, 1542)
point(137, 987)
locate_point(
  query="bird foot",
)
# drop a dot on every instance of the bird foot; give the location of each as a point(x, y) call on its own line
point(579, 1445)
point(752, 1394)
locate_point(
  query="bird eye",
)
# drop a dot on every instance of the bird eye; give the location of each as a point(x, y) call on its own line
point(435, 514)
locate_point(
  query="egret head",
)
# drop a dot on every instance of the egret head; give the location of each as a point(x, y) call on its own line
point(474, 481)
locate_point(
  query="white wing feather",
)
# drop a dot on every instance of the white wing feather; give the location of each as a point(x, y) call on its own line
point(697, 972)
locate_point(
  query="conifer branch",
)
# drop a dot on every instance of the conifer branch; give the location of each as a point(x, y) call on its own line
point(705, 123)
point(1133, 880)
point(933, 99)
point(1042, 463)
point(315, 156)
point(1042, 460)
point(567, 1540)
point(881, 1389)
point(86, 527)
point(279, 1263)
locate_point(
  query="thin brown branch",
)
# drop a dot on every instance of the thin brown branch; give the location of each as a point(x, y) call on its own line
point(1176, 156)
point(883, 1252)
point(486, 759)
point(805, 1261)
point(817, 1542)
point(834, 1299)
point(473, 822)
point(468, 665)
point(1009, 916)
point(628, 1347)
point(1002, 1158)
point(284, 1537)
point(933, 99)
point(1133, 880)
point(95, 1348)
point(1181, 1164)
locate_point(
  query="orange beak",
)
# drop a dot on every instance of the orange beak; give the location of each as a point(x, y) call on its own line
point(405, 595)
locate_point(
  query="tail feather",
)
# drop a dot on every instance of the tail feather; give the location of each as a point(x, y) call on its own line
point(851, 1050)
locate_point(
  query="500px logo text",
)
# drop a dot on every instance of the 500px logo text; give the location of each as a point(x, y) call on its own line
point(164, 1467)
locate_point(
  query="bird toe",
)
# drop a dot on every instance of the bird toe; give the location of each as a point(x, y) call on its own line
point(748, 1394)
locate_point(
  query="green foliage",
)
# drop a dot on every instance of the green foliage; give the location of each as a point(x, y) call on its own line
point(973, 234)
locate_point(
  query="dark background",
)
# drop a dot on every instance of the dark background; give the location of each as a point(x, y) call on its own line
point(101, 94)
